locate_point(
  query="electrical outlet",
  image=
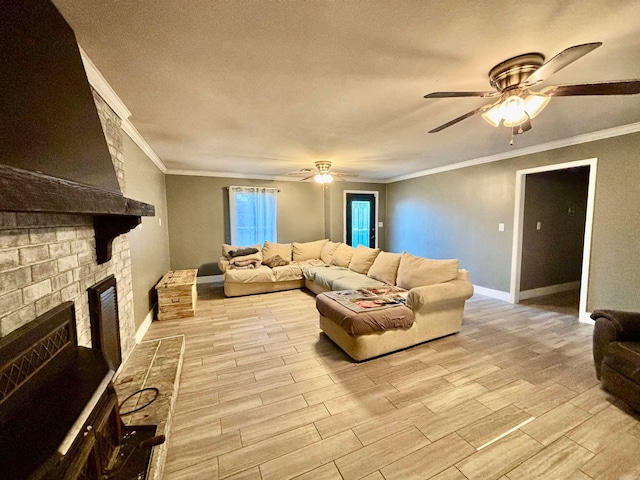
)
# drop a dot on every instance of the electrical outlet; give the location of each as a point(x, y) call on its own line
point(539, 226)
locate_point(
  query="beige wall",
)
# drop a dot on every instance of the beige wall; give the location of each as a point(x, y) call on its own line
point(149, 242)
point(455, 214)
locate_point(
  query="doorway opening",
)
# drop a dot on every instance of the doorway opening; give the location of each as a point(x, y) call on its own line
point(361, 218)
point(552, 236)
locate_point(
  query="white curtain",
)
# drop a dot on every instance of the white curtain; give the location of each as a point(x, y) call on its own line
point(252, 215)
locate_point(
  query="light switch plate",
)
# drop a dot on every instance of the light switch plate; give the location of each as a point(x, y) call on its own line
point(501, 227)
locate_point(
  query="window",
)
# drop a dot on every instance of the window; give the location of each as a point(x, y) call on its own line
point(252, 215)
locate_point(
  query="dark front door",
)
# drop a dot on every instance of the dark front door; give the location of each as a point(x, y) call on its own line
point(361, 219)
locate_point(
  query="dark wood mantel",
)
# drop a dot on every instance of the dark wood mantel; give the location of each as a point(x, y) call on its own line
point(113, 214)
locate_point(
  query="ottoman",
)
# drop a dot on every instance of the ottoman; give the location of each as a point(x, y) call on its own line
point(367, 334)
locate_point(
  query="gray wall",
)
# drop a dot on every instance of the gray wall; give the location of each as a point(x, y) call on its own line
point(553, 254)
point(149, 242)
point(199, 220)
point(335, 208)
point(455, 214)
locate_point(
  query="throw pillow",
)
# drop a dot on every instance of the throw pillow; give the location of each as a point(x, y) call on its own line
point(342, 256)
point(363, 258)
point(275, 261)
point(272, 249)
point(307, 250)
point(418, 272)
point(385, 267)
point(328, 251)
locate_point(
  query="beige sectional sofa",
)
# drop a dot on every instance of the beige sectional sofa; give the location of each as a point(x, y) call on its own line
point(436, 289)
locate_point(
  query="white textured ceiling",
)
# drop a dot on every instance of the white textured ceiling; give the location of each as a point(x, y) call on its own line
point(266, 87)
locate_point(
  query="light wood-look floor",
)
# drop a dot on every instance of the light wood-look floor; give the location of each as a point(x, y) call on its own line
point(264, 395)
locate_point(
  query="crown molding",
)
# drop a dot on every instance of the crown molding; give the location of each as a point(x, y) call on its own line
point(275, 178)
point(100, 84)
point(566, 142)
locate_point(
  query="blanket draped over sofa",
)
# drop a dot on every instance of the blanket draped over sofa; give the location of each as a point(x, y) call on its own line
point(435, 297)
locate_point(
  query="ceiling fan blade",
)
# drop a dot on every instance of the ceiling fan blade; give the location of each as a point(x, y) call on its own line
point(622, 87)
point(482, 109)
point(306, 178)
point(461, 94)
point(561, 60)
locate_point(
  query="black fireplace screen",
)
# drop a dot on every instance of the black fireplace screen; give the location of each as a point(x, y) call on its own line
point(105, 325)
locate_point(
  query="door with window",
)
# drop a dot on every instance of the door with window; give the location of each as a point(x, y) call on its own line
point(360, 219)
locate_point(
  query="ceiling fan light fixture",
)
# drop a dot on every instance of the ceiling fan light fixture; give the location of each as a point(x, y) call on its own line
point(493, 115)
point(513, 111)
point(534, 104)
point(323, 178)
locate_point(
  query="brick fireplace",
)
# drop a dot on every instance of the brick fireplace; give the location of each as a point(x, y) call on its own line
point(49, 258)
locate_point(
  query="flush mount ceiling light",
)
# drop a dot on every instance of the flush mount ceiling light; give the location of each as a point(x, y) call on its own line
point(513, 79)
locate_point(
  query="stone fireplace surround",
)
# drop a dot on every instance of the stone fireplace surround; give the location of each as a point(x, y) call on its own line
point(46, 259)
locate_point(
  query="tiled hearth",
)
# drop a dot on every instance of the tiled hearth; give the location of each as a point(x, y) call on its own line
point(153, 364)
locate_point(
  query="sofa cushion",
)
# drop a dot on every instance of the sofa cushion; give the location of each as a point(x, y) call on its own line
point(331, 277)
point(342, 256)
point(355, 282)
point(272, 249)
point(363, 258)
point(417, 271)
point(307, 250)
point(385, 267)
point(275, 261)
point(328, 250)
point(293, 271)
point(249, 275)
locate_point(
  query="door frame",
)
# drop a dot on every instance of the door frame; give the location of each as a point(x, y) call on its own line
point(344, 212)
point(516, 259)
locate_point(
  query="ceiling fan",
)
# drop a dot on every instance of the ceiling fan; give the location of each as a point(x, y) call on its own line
point(321, 173)
point(514, 80)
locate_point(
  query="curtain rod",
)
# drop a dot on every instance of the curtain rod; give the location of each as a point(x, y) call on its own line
point(246, 186)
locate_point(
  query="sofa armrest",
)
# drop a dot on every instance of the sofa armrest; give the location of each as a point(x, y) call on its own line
point(455, 290)
point(613, 326)
point(223, 264)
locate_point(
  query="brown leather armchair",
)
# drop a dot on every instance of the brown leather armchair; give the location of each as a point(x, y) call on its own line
point(616, 353)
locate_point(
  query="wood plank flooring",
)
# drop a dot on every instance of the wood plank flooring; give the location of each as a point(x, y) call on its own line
point(264, 395)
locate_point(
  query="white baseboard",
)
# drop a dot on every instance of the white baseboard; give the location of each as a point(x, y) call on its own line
point(585, 317)
point(549, 290)
point(490, 292)
point(142, 330)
